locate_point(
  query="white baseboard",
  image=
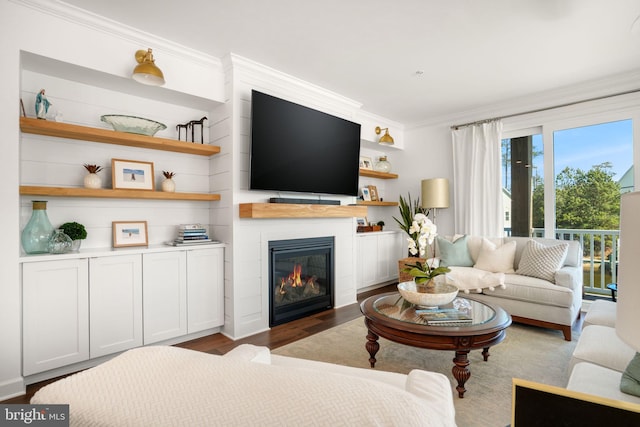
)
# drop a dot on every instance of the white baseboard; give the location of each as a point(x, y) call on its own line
point(12, 388)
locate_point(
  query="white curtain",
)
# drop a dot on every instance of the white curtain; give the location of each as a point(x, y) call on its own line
point(477, 172)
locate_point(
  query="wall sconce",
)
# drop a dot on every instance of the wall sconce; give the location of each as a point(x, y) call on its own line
point(146, 72)
point(435, 194)
point(386, 138)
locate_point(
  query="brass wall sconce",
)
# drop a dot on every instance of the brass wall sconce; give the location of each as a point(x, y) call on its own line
point(386, 138)
point(146, 72)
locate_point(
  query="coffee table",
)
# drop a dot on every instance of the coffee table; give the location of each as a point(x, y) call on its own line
point(391, 317)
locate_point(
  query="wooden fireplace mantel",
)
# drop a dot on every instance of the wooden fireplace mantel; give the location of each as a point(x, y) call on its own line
point(286, 210)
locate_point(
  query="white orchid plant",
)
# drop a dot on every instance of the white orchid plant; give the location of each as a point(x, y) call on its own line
point(422, 233)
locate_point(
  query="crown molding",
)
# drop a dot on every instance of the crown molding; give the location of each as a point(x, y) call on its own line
point(76, 15)
point(550, 99)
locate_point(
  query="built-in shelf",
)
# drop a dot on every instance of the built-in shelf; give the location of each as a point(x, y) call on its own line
point(375, 174)
point(371, 203)
point(286, 210)
point(114, 194)
point(106, 136)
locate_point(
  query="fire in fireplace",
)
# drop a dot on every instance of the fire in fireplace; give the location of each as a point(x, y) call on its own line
point(301, 278)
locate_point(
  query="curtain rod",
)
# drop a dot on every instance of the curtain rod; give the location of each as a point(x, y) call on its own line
point(568, 104)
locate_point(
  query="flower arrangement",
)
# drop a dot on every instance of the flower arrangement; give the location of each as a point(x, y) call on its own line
point(422, 233)
point(408, 209)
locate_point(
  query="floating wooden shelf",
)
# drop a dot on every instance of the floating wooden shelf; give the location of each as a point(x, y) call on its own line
point(367, 203)
point(114, 194)
point(285, 210)
point(375, 174)
point(106, 136)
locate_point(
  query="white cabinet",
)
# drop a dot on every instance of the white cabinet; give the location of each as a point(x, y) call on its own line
point(205, 289)
point(165, 295)
point(378, 255)
point(55, 314)
point(115, 308)
point(77, 309)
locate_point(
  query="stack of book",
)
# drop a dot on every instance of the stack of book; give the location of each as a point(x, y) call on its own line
point(191, 234)
point(444, 317)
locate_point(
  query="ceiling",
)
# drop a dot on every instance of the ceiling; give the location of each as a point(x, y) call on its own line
point(406, 60)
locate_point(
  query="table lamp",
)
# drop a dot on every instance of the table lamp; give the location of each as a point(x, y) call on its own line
point(435, 194)
point(628, 305)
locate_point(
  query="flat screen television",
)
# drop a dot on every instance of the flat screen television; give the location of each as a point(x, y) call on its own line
point(302, 150)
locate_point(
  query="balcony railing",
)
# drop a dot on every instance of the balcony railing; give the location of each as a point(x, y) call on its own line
point(599, 255)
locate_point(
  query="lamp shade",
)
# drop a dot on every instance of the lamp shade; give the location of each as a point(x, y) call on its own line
point(435, 193)
point(146, 72)
point(628, 305)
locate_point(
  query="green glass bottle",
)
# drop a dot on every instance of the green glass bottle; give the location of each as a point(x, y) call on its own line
point(36, 234)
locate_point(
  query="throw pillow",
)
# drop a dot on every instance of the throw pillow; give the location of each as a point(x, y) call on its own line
point(454, 253)
point(630, 382)
point(496, 259)
point(542, 261)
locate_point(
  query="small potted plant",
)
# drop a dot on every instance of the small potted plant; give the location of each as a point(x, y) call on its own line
point(92, 179)
point(168, 184)
point(76, 232)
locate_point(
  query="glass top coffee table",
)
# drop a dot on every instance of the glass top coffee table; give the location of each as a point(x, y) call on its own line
point(477, 325)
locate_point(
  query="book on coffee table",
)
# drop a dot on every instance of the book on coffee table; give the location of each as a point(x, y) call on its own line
point(444, 316)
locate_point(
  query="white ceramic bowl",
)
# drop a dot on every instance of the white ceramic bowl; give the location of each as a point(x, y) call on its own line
point(131, 124)
point(440, 294)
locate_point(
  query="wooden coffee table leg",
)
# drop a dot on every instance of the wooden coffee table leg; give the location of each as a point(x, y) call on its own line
point(372, 346)
point(485, 353)
point(461, 371)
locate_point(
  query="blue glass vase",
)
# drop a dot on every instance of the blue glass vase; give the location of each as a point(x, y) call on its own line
point(36, 234)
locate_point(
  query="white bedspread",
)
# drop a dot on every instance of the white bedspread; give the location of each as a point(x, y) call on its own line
point(169, 386)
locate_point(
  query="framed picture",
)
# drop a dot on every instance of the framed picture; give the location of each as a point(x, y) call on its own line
point(366, 195)
point(132, 175)
point(130, 233)
point(365, 163)
point(361, 221)
point(373, 192)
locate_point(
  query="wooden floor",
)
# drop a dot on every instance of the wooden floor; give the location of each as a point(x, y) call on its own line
point(278, 336)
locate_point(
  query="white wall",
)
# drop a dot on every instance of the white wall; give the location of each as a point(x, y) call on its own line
point(75, 42)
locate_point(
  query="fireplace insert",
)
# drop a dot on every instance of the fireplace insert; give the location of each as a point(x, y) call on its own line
point(300, 278)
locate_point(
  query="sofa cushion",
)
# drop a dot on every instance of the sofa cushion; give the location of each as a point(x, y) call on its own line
point(496, 259)
point(597, 380)
point(542, 261)
point(532, 289)
point(602, 346)
point(454, 253)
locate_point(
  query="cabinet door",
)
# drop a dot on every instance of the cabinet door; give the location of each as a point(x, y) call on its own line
point(205, 289)
point(367, 260)
point(115, 304)
point(55, 317)
point(388, 256)
point(164, 290)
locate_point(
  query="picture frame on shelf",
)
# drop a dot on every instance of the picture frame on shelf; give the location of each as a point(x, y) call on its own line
point(130, 233)
point(360, 221)
point(373, 191)
point(366, 195)
point(366, 163)
point(132, 175)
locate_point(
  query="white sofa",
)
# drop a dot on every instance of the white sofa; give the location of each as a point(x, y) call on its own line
point(554, 303)
point(171, 386)
point(600, 357)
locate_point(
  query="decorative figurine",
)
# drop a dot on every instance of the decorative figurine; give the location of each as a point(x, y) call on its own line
point(191, 125)
point(42, 105)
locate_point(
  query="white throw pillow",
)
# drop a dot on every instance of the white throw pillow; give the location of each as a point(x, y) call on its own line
point(496, 259)
point(542, 261)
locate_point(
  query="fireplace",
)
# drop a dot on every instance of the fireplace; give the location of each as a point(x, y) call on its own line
point(300, 278)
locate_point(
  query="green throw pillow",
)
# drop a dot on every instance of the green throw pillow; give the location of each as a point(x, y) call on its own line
point(630, 382)
point(454, 253)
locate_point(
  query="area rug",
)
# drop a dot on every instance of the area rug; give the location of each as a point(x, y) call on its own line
point(530, 353)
